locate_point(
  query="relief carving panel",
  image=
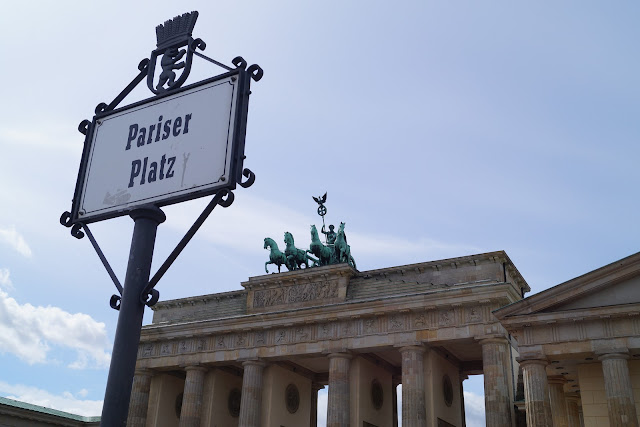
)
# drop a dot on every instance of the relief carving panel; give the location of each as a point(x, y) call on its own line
point(295, 294)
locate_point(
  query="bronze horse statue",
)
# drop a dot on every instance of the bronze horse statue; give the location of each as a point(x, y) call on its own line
point(342, 249)
point(296, 257)
point(325, 254)
point(275, 256)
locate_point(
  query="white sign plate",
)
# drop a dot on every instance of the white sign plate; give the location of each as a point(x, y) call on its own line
point(161, 150)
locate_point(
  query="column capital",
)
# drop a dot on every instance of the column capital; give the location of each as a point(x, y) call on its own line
point(525, 362)
point(254, 362)
point(144, 372)
point(414, 348)
point(198, 367)
point(556, 379)
point(340, 355)
point(613, 355)
point(495, 339)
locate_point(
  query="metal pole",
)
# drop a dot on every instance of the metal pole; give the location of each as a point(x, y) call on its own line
point(125, 346)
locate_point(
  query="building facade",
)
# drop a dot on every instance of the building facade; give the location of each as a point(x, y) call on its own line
point(579, 345)
point(14, 413)
point(568, 356)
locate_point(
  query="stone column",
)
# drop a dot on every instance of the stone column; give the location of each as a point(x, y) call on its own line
point(495, 366)
point(558, 403)
point(414, 412)
point(192, 397)
point(338, 414)
point(536, 393)
point(617, 385)
point(251, 401)
point(313, 422)
point(573, 410)
point(139, 402)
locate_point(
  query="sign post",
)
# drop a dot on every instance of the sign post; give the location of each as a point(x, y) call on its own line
point(125, 346)
point(180, 144)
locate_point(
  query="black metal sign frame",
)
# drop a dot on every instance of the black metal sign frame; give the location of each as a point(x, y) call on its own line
point(237, 147)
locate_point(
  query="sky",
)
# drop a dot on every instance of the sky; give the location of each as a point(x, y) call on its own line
point(438, 129)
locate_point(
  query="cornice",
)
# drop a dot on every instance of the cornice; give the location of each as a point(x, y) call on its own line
point(571, 316)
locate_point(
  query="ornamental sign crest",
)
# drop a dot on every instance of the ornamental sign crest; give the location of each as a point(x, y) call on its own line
point(335, 250)
point(171, 37)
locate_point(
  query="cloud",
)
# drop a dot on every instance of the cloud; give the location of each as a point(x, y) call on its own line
point(322, 407)
point(15, 240)
point(5, 280)
point(65, 402)
point(474, 409)
point(55, 137)
point(30, 332)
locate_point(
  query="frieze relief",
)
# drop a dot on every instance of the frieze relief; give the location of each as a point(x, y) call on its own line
point(428, 318)
point(302, 334)
point(183, 346)
point(241, 340)
point(147, 350)
point(447, 317)
point(260, 338)
point(396, 323)
point(295, 294)
point(370, 325)
point(420, 320)
point(221, 342)
point(166, 349)
point(325, 331)
point(474, 314)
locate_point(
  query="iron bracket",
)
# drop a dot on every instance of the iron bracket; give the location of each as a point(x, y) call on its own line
point(223, 198)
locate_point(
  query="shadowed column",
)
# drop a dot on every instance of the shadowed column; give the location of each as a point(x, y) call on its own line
point(557, 400)
point(573, 410)
point(395, 382)
point(414, 413)
point(191, 412)
point(617, 385)
point(338, 414)
point(536, 393)
point(251, 401)
point(464, 415)
point(139, 402)
point(495, 366)
point(314, 403)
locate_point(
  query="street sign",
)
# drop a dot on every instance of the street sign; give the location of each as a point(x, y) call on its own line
point(184, 144)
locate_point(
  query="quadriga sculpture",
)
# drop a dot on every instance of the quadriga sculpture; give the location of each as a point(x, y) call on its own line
point(294, 258)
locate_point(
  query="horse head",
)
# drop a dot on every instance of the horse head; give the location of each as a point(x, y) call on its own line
point(341, 228)
point(288, 238)
point(314, 232)
point(269, 242)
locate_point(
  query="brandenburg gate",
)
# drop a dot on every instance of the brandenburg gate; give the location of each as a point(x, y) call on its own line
point(258, 356)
